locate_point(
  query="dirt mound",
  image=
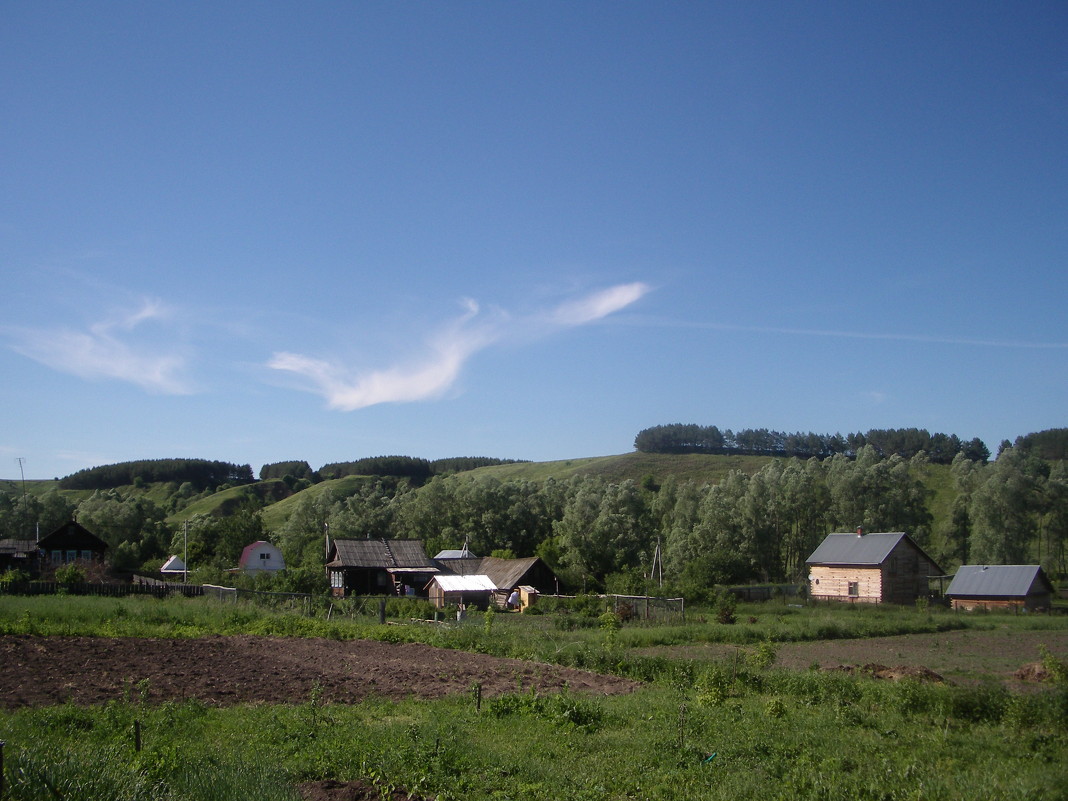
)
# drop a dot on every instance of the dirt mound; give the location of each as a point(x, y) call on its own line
point(223, 671)
point(895, 673)
point(1035, 671)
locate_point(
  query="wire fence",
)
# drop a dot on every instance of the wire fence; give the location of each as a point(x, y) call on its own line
point(649, 608)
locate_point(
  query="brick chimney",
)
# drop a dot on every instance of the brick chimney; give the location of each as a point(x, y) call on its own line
point(860, 531)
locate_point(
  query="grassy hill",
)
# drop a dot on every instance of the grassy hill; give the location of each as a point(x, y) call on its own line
point(230, 500)
point(276, 515)
point(702, 468)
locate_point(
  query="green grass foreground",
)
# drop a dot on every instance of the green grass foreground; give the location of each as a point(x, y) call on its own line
point(775, 734)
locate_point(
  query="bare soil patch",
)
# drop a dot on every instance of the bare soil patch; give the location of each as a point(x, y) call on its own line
point(223, 671)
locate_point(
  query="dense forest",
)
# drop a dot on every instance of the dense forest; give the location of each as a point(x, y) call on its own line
point(199, 472)
point(755, 525)
point(904, 442)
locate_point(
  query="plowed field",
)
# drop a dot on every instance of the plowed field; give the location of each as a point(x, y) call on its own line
point(38, 671)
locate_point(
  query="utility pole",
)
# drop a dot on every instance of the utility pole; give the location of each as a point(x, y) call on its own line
point(185, 553)
point(25, 505)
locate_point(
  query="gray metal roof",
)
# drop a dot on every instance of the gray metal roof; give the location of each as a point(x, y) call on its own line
point(461, 553)
point(854, 549)
point(999, 581)
point(385, 554)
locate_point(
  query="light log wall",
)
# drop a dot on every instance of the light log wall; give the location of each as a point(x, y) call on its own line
point(832, 583)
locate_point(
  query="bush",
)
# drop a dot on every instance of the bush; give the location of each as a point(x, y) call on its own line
point(70, 574)
point(14, 575)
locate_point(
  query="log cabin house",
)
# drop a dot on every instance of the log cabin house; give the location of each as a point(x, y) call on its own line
point(377, 567)
point(71, 542)
point(1000, 587)
point(884, 567)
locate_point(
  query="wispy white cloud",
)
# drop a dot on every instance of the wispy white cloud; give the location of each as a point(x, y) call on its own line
point(109, 350)
point(599, 304)
point(447, 353)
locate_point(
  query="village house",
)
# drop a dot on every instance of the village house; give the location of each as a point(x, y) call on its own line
point(884, 567)
point(1000, 587)
point(378, 567)
point(71, 542)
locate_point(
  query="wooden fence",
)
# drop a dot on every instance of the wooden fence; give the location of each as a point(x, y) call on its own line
point(159, 590)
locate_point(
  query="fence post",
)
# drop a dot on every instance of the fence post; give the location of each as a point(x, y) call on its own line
point(382, 611)
point(2, 744)
point(137, 736)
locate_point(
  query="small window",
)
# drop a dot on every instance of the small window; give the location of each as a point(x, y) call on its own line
point(854, 589)
point(265, 556)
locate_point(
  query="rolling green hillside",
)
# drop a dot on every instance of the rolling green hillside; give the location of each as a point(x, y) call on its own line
point(230, 500)
point(276, 515)
point(701, 468)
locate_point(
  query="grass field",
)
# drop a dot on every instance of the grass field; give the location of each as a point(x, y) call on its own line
point(775, 732)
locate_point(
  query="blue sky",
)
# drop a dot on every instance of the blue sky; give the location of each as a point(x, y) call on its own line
point(261, 231)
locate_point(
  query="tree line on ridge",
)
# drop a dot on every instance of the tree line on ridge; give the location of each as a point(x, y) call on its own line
point(905, 442)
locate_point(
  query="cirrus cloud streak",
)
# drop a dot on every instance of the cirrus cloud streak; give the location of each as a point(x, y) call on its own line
point(109, 350)
point(447, 352)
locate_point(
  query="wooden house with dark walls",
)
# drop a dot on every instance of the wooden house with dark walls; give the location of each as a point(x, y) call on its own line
point(71, 542)
point(378, 567)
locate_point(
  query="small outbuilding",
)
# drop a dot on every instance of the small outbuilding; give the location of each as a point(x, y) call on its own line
point(883, 567)
point(470, 591)
point(174, 566)
point(1000, 587)
point(18, 555)
point(261, 556)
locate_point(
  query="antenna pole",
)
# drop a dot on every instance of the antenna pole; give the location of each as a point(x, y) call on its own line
point(22, 472)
